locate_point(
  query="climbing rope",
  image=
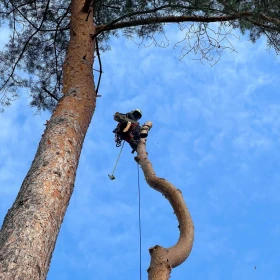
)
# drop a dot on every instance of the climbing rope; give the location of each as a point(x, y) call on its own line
point(139, 223)
point(112, 177)
point(118, 158)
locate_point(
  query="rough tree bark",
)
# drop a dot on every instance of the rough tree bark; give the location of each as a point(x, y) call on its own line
point(164, 259)
point(31, 226)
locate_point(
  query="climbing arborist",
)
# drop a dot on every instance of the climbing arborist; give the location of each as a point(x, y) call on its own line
point(128, 128)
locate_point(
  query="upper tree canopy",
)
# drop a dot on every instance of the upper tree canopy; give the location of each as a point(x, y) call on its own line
point(35, 53)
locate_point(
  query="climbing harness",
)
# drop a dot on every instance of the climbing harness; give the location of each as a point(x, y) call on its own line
point(118, 140)
point(111, 176)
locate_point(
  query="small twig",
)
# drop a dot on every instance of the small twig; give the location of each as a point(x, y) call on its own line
point(111, 7)
point(100, 65)
point(55, 36)
point(49, 93)
point(26, 18)
point(88, 14)
point(19, 6)
point(272, 42)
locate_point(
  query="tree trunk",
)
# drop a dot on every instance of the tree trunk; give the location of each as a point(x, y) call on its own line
point(164, 259)
point(31, 226)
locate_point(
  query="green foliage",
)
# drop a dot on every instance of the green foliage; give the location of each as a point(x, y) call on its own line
point(34, 55)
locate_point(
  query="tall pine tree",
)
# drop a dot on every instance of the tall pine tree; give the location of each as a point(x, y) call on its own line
point(51, 52)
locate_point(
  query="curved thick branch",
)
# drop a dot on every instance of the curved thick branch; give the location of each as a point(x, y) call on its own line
point(178, 19)
point(164, 259)
point(169, 19)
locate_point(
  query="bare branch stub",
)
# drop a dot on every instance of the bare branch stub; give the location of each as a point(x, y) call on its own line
point(86, 6)
point(164, 259)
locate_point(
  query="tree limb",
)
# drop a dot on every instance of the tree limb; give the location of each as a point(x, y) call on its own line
point(178, 19)
point(169, 19)
point(164, 259)
point(269, 19)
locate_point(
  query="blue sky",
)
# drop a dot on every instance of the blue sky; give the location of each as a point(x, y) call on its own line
point(215, 135)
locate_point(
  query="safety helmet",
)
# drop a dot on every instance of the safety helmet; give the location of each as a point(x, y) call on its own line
point(137, 114)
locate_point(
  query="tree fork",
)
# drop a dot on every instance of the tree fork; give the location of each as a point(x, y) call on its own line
point(164, 259)
point(31, 226)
